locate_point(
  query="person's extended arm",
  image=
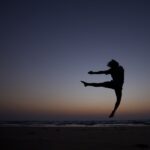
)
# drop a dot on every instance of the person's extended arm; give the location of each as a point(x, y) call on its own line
point(100, 72)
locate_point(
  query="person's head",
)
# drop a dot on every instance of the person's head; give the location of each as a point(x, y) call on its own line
point(113, 64)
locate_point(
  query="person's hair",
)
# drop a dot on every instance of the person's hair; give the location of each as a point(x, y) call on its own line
point(113, 63)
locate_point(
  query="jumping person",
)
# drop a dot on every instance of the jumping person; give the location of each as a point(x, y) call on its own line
point(117, 73)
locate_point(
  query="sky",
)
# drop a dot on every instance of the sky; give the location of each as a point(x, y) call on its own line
point(48, 46)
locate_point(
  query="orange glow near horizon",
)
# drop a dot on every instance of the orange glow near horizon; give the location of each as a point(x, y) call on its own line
point(61, 107)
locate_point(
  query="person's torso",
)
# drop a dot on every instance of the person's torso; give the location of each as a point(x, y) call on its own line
point(118, 75)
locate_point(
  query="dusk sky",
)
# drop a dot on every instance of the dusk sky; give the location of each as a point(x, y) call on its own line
point(48, 46)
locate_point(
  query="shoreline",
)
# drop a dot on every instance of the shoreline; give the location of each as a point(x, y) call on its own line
point(74, 126)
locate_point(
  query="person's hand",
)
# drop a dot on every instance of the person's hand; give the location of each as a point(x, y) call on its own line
point(90, 72)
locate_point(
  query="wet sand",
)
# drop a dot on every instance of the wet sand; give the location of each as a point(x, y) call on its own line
point(75, 138)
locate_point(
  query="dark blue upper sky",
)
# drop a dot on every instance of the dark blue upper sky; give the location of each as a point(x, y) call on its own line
point(48, 46)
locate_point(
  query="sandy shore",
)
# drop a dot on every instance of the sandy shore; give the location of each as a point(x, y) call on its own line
point(74, 138)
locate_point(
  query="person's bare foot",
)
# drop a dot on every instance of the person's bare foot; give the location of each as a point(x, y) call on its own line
point(85, 84)
point(111, 115)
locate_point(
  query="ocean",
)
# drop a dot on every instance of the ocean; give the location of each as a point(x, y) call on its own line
point(75, 123)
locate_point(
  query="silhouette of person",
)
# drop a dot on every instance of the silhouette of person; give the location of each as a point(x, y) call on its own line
point(117, 73)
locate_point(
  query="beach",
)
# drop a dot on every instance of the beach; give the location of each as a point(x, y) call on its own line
point(75, 138)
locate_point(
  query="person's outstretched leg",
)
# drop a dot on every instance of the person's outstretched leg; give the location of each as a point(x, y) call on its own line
point(92, 84)
point(103, 84)
point(118, 95)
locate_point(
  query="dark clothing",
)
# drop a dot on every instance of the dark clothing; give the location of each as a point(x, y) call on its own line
point(117, 76)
